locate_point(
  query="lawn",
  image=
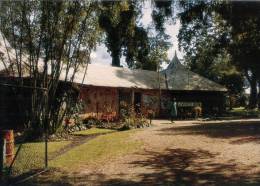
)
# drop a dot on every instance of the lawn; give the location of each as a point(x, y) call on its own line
point(98, 150)
point(101, 148)
point(31, 155)
point(241, 111)
point(93, 131)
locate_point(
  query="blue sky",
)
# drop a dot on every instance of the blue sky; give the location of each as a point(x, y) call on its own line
point(101, 56)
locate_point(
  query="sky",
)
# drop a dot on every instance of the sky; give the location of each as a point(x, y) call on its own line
point(101, 56)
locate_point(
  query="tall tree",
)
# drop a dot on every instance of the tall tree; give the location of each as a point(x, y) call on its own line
point(117, 19)
point(244, 20)
point(126, 36)
point(212, 26)
point(50, 40)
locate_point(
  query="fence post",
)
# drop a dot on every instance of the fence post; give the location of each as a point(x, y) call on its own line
point(2, 155)
point(46, 149)
point(46, 129)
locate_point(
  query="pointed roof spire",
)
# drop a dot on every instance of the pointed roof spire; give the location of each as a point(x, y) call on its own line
point(175, 61)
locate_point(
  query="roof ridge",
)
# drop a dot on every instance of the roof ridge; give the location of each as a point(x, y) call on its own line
point(123, 68)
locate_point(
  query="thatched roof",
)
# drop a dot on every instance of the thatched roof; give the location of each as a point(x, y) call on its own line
point(175, 77)
point(108, 76)
point(180, 78)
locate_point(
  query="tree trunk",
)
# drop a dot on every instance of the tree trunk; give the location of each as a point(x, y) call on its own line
point(253, 92)
point(258, 96)
point(116, 58)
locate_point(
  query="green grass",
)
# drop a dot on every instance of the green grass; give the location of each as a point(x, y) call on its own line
point(100, 149)
point(31, 155)
point(97, 150)
point(93, 131)
point(238, 109)
point(241, 111)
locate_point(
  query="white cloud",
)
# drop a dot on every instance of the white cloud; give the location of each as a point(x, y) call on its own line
point(101, 56)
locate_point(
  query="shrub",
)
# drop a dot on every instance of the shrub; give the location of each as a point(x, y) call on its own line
point(131, 119)
point(92, 121)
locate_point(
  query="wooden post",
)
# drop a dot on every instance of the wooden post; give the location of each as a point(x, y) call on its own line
point(133, 97)
point(2, 155)
point(46, 130)
point(9, 146)
point(46, 149)
point(159, 87)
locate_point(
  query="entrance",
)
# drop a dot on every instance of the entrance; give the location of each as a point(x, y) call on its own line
point(137, 102)
point(124, 101)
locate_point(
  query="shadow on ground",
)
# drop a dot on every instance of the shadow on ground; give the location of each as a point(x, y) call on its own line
point(245, 131)
point(180, 167)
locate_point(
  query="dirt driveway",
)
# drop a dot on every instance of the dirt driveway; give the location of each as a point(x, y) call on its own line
point(184, 153)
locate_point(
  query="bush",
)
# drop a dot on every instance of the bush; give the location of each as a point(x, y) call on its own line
point(130, 119)
point(93, 122)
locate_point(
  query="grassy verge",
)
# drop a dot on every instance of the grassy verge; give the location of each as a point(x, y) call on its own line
point(98, 150)
point(31, 155)
point(241, 111)
point(93, 131)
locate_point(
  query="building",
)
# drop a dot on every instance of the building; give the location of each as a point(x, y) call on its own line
point(191, 89)
point(106, 88)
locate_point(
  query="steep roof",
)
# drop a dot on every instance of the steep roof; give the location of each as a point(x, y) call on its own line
point(178, 77)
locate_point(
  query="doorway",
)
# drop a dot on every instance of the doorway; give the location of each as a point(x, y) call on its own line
point(137, 102)
point(124, 102)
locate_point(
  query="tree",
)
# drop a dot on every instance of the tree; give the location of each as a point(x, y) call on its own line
point(137, 49)
point(212, 26)
point(243, 18)
point(125, 36)
point(117, 19)
point(162, 11)
point(146, 51)
point(50, 40)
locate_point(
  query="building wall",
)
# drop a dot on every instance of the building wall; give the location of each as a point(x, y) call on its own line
point(100, 102)
point(150, 101)
point(212, 103)
point(103, 103)
point(15, 105)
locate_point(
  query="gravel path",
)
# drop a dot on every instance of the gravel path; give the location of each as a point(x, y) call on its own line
point(188, 153)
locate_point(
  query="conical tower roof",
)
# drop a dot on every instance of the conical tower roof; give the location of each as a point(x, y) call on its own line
point(179, 77)
point(174, 63)
point(174, 66)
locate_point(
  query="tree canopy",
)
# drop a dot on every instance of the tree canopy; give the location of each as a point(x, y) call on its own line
point(124, 35)
point(210, 29)
point(213, 28)
point(50, 40)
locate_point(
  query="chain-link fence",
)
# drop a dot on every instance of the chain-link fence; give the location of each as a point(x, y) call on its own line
point(29, 159)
